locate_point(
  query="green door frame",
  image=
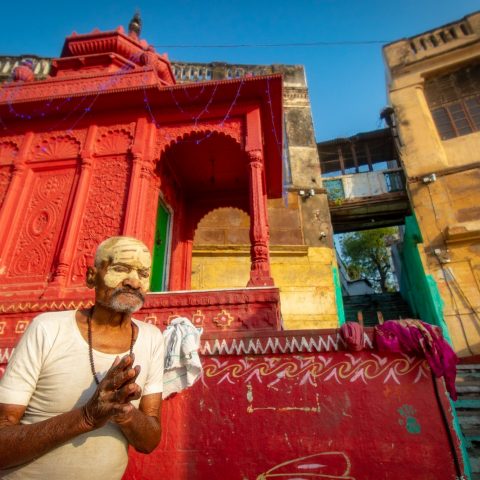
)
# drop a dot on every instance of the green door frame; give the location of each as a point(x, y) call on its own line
point(161, 248)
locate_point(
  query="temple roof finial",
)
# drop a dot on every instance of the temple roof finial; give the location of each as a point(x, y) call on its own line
point(135, 25)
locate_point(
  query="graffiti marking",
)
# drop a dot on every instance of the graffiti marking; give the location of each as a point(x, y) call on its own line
point(407, 412)
point(320, 465)
point(252, 409)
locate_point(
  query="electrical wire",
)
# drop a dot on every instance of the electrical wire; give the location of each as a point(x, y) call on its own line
point(276, 45)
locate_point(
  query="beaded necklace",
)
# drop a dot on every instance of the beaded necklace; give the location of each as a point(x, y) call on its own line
point(90, 348)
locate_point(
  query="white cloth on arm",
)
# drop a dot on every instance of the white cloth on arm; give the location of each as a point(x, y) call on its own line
point(182, 363)
point(50, 374)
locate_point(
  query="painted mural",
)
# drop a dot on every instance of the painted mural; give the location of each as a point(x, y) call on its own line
point(303, 416)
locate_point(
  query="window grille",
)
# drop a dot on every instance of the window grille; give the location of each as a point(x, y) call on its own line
point(454, 101)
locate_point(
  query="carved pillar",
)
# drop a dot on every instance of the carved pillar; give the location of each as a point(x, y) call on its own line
point(187, 264)
point(142, 170)
point(133, 204)
point(182, 246)
point(259, 234)
point(11, 204)
point(78, 209)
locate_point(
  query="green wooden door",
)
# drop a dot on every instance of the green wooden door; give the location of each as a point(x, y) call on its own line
point(160, 249)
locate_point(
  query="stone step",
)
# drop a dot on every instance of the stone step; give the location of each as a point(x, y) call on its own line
point(471, 421)
point(468, 366)
point(467, 382)
point(467, 389)
point(467, 403)
point(468, 373)
point(472, 435)
point(474, 464)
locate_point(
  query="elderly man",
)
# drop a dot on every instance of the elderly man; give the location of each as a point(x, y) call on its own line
point(71, 399)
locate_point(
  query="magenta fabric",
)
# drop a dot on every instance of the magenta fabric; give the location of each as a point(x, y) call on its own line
point(352, 333)
point(420, 338)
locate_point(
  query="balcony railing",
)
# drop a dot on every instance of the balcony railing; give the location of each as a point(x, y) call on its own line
point(348, 187)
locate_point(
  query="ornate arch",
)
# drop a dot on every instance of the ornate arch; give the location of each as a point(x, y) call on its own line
point(201, 215)
point(168, 136)
point(55, 147)
point(112, 141)
point(8, 152)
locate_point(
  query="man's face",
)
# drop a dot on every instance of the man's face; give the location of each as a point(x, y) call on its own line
point(122, 282)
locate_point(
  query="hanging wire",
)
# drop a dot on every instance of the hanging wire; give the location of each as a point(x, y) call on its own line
point(282, 45)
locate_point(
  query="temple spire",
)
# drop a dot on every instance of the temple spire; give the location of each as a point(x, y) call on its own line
point(135, 25)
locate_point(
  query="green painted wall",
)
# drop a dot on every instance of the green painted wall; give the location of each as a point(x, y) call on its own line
point(417, 288)
point(338, 296)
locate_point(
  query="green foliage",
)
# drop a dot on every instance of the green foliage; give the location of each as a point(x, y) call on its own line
point(366, 255)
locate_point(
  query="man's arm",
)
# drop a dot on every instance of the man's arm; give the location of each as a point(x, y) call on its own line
point(22, 443)
point(142, 427)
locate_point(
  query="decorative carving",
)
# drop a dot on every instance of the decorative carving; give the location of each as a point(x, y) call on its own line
point(259, 233)
point(24, 72)
point(5, 179)
point(256, 156)
point(21, 326)
point(242, 309)
point(8, 152)
point(278, 343)
point(104, 211)
point(223, 319)
point(169, 135)
point(37, 235)
point(47, 306)
point(198, 319)
point(113, 140)
point(344, 369)
point(151, 211)
point(60, 86)
point(54, 147)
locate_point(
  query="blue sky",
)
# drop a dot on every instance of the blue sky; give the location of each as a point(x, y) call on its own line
point(346, 83)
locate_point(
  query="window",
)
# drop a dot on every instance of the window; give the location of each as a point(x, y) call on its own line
point(454, 100)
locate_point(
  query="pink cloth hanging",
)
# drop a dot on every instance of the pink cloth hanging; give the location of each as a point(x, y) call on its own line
point(420, 338)
point(352, 333)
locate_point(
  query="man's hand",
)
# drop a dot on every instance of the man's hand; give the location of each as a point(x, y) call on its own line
point(111, 400)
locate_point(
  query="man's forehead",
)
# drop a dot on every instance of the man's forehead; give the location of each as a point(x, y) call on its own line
point(127, 251)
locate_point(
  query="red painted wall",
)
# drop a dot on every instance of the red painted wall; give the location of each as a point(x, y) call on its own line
point(303, 415)
point(291, 403)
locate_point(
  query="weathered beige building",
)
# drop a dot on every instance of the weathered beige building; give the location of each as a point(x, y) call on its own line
point(434, 89)
point(302, 259)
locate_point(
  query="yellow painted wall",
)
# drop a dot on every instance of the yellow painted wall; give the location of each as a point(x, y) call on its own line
point(447, 210)
point(303, 275)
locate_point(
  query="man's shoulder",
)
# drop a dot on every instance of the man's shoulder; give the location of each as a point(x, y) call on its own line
point(148, 327)
point(51, 319)
point(150, 333)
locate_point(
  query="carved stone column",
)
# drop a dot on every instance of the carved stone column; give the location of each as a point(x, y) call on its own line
point(142, 171)
point(259, 232)
point(68, 249)
point(11, 204)
point(133, 196)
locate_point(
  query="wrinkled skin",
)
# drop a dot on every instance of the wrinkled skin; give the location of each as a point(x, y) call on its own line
point(120, 280)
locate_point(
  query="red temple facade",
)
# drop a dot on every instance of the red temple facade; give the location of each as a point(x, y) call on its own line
point(106, 144)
